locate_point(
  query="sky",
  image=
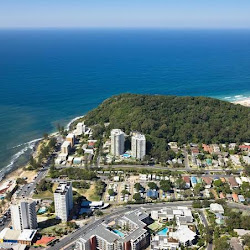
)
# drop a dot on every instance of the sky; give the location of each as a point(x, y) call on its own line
point(125, 13)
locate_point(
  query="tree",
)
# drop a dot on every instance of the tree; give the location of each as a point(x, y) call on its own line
point(125, 192)
point(137, 197)
point(45, 136)
point(197, 204)
point(180, 183)
point(208, 234)
point(206, 203)
point(152, 185)
point(170, 155)
point(111, 192)
point(221, 244)
point(198, 188)
point(165, 185)
point(51, 208)
point(138, 186)
point(20, 181)
point(98, 213)
point(201, 157)
point(171, 118)
point(246, 239)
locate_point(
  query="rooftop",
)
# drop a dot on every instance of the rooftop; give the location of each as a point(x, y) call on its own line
point(63, 187)
point(27, 235)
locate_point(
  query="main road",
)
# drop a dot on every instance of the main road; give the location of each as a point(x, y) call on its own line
point(121, 210)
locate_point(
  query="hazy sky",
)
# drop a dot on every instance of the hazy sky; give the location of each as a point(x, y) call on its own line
point(125, 13)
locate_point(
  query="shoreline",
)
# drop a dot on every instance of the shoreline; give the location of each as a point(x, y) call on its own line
point(12, 171)
point(244, 102)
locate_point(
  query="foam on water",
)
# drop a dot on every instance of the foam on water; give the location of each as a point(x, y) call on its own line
point(15, 157)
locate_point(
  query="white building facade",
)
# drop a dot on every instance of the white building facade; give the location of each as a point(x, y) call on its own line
point(80, 128)
point(23, 215)
point(138, 146)
point(117, 142)
point(63, 198)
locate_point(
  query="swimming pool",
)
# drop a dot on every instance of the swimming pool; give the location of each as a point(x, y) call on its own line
point(163, 231)
point(42, 210)
point(118, 232)
point(126, 155)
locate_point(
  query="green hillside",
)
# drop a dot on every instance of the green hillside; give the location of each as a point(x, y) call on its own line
point(172, 118)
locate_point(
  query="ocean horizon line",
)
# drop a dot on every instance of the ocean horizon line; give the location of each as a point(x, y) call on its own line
point(156, 28)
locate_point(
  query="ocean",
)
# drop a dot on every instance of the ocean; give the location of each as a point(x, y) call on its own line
point(51, 76)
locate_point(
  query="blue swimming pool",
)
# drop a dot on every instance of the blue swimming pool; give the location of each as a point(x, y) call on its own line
point(126, 155)
point(118, 232)
point(42, 210)
point(163, 231)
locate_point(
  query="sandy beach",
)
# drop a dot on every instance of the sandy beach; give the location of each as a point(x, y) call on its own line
point(243, 102)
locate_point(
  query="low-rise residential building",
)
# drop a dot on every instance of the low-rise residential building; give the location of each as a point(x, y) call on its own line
point(186, 179)
point(244, 148)
point(207, 148)
point(208, 181)
point(184, 235)
point(241, 198)
point(235, 160)
point(25, 236)
point(153, 194)
point(183, 215)
point(216, 208)
point(193, 181)
point(232, 182)
point(235, 197)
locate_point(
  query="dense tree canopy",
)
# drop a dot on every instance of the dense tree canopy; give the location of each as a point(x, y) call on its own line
point(172, 118)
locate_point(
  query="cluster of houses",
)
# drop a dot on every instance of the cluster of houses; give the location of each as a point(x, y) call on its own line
point(69, 154)
point(182, 232)
point(131, 231)
point(223, 158)
point(206, 182)
point(233, 182)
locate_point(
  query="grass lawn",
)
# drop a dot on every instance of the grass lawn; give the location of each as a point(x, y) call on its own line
point(155, 226)
point(43, 195)
point(51, 229)
point(46, 194)
point(89, 193)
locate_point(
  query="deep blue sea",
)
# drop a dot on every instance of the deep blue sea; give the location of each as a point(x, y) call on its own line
point(51, 76)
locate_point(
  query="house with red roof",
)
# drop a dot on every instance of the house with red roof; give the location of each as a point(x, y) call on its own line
point(244, 148)
point(207, 148)
point(44, 241)
point(187, 181)
point(235, 197)
point(232, 182)
point(208, 181)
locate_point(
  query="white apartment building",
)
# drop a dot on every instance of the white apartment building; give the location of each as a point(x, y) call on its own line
point(117, 142)
point(103, 237)
point(23, 215)
point(138, 146)
point(65, 148)
point(80, 128)
point(63, 198)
